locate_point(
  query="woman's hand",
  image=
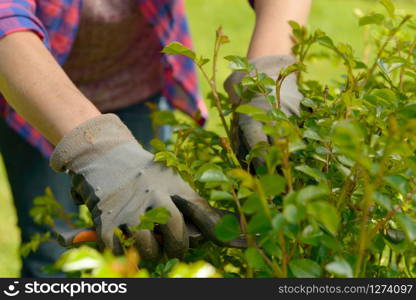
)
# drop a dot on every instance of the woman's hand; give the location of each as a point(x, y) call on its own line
point(119, 181)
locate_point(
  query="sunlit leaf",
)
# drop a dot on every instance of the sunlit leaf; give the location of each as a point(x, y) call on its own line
point(326, 214)
point(176, 48)
point(305, 268)
point(340, 268)
point(228, 228)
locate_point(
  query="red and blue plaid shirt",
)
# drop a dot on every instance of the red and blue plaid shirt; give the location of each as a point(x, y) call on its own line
point(56, 23)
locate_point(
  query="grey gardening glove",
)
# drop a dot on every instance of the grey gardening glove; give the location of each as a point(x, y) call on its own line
point(250, 131)
point(119, 181)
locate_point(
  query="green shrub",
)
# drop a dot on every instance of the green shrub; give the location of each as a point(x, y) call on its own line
point(336, 196)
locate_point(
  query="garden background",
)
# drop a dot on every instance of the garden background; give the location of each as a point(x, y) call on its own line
point(335, 17)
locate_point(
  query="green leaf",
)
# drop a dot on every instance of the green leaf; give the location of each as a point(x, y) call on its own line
point(273, 184)
point(408, 111)
point(45, 209)
point(259, 223)
point(309, 103)
point(399, 183)
point(311, 236)
point(244, 192)
point(305, 268)
point(220, 195)
point(386, 94)
point(158, 215)
point(193, 270)
point(312, 192)
point(245, 177)
point(250, 110)
point(314, 173)
point(348, 136)
point(169, 265)
point(383, 66)
point(299, 32)
point(202, 61)
point(382, 98)
point(254, 258)
point(78, 259)
point(210, 173)
point(377, 243)
point(388, 4)
point(294, 25)
point(326, 41)
point(326, 214)
point(340, 268)
point(394, 236)
point(167, 157)
point(346, 50)
point(228, 228)
point(35, 241)
point(213, 175)
point(176, 48)
point(408, 225)
point(252, 204)
point(163, 117)
point(329, 242)
point(290, 213)
point(382, 200)
point(278, 222)
point(312, 135)
point(238, 63)
point(296, 145)
point(158, 144)
point(265, 80)
point(371, 19)
point(224, 39)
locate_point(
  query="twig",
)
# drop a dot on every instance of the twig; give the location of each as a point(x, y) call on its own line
point(381, 50)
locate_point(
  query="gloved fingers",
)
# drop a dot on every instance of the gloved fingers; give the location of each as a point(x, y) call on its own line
point(290, 96)
point(108, 239)
point(81, 189)
point(230, 84)
point(252, 131)
point(147, 245)
point(175, 235)
point(250, 134)
point(145, 241)
point(76, 197)
point(201, 214)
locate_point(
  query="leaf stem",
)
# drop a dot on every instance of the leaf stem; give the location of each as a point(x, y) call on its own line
point(363, 237)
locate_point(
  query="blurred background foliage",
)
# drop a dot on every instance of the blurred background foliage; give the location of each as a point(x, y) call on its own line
point(338, 18)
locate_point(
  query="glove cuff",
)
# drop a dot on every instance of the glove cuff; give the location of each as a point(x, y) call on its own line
point(88, 141)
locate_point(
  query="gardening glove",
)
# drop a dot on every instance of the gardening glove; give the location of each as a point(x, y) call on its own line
point(250, 131)
point(119, 181)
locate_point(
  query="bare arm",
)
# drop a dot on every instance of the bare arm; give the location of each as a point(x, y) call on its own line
point(38, 89)
point(272, 33)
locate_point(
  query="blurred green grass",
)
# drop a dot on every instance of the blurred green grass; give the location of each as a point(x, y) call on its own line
point(9, 234)
point(336, 17)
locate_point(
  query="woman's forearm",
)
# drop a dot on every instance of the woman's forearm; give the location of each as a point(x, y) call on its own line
point(272, 33)
point(35, 85)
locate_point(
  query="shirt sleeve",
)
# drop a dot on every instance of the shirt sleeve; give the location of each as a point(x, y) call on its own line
point(19, 15)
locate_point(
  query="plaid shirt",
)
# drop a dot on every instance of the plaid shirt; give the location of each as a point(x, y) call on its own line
point(56, 23)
